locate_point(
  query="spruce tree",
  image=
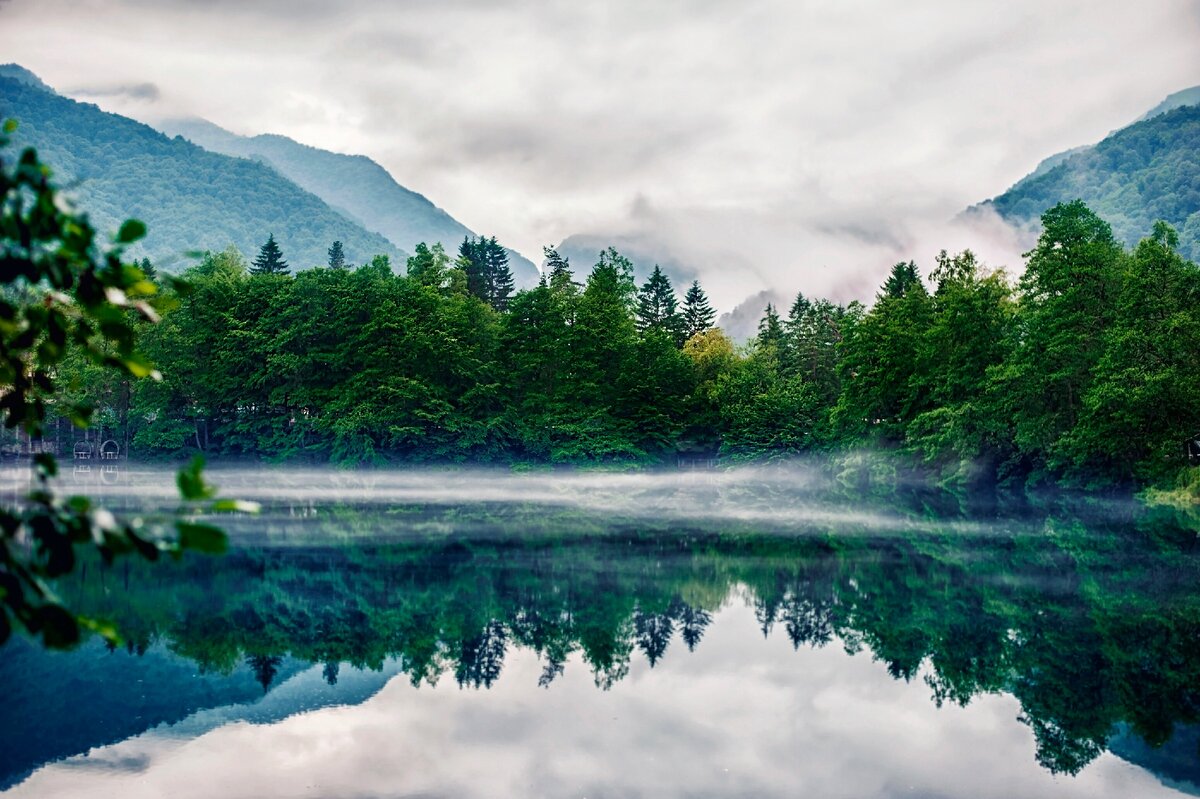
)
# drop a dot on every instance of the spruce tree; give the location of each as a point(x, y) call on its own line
point(698, 315)
point(270, 259)
point(488, 275)
point(657, 307)
point(337, 258)
point(770, 332)
point(500, 279)
point(903, 277)
point(558, 270)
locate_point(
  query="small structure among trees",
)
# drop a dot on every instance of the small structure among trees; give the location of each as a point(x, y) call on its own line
point(110, 450)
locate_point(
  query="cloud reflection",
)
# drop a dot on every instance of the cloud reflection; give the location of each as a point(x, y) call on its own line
point(819, 722)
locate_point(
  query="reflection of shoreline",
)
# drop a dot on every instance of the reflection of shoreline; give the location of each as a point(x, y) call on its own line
point(448, 590)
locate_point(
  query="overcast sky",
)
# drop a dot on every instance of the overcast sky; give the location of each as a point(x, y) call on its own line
point(790, 144)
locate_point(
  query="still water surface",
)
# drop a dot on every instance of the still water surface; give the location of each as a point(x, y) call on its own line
point(748, 633)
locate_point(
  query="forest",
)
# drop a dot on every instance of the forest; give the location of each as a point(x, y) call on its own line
point(1137, 175)
point(1077, 372)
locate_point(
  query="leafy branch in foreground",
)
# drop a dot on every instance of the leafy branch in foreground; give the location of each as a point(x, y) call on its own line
point(59, 295)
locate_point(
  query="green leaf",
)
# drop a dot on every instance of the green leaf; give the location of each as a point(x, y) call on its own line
point(140, 367)
point(201, 537)
point(10, 125)
point(236, 506)
point(58, 627)
point(105, 629)
point(131, 230)
point(45, 464)
point(191, 481)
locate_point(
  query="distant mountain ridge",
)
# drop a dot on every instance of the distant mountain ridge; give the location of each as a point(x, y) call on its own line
point(355, 185)
point(1141, 173)
point(19, 73)
point(190, 199)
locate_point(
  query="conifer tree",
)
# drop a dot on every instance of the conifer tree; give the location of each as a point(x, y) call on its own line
point(770, 332)
point(499, 274)
point(558, 270)
point(147, 269)
point(698, 315)
point(903, 277)
point(337, 257)
point(270, 259)
point(485, 263)
point(657, 307)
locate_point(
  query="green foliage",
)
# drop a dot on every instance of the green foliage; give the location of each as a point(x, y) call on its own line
point(1078, 373)
point(882, 364)
point(1068, 294)
point(270, 259)
point(485, 263)
point(1146, 172)
point(189, 198)
point(337, 256)
point(67, 304)
point(698, 315)
point(658, 309)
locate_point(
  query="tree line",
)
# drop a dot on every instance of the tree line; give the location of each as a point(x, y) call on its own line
point(1079, 370)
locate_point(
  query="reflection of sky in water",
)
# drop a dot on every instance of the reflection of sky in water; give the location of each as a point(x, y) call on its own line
point(739, 717)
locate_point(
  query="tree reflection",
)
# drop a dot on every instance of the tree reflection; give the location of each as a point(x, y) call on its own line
point(1089, 623)
point(265, 667)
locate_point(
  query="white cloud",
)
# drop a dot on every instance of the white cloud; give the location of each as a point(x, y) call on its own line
point(778, 144)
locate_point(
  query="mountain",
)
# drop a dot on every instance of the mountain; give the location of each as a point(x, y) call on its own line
point(190, 199)
point(1137, 175)
point(583, 250)
point(22, 75)
point(353, 184)
point(1177, 100)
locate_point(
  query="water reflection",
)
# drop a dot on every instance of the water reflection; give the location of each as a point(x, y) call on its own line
point(938, 613)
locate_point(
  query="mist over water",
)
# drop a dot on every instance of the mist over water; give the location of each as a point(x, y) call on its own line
point(800, 495)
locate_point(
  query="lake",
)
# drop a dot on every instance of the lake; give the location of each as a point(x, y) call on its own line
point(754, 632)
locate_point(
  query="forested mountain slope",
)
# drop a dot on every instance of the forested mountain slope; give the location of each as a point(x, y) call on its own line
point(353, 184)
point(1134, 177)
point(190, 199)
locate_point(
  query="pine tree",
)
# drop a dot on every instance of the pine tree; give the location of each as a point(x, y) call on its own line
point(337, 258)
point(270, 259)
point(698, 315)
point(558, 270)
point(904, 276)
point(770, 332)
point(148, 269)
point(657, 307)
point(488, 275)
point(500, 279)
